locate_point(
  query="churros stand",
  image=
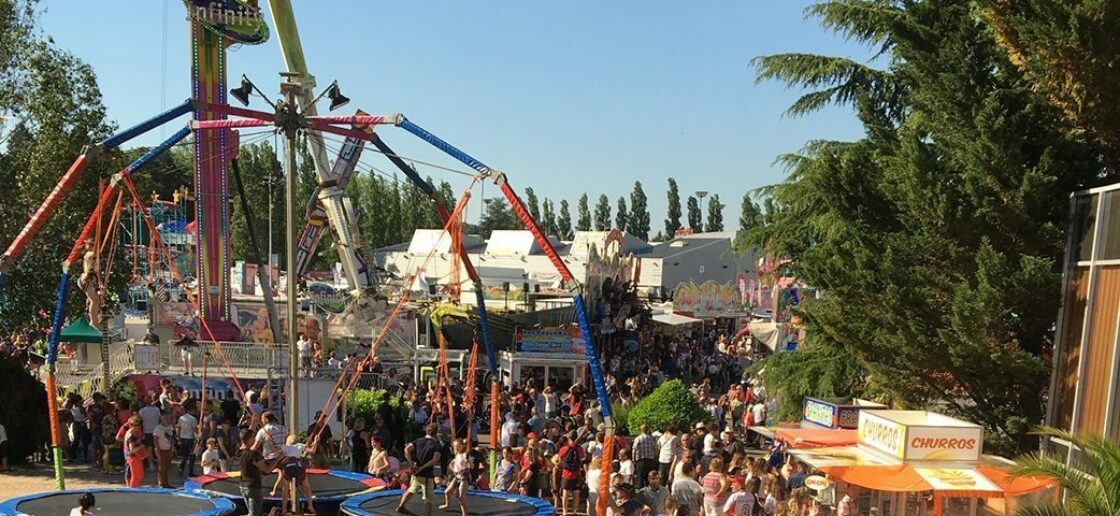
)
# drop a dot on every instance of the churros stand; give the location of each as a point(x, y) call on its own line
point(921, 463)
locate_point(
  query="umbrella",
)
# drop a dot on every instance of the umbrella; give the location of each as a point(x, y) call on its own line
point(80, 331)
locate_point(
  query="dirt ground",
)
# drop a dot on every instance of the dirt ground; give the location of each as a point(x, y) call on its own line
point(35, 478)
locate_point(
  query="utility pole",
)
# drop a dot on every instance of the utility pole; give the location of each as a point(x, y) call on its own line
point(290, 120)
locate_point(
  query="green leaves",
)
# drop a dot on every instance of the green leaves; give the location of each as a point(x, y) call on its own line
point(1095, 495)
point(938, 236)
point(670, 402)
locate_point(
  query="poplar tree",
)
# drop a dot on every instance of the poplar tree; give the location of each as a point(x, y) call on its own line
point(603, 214)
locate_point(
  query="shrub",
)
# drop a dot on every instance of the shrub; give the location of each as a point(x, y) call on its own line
point(621, 417)
point(365, 403)
point(24, 406)
point(672, 401)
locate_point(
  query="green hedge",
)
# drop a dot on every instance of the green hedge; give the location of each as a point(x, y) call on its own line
point(672, 401)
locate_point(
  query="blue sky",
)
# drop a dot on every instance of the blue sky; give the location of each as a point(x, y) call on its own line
point(565, 97)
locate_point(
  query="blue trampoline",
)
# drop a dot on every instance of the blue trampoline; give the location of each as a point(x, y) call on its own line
point(109, 500)
point(330, 487)
point(484, 503)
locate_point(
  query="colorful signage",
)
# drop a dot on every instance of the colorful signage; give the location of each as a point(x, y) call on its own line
point(707, 299)
point(819, 412)
point(238, 20)
point(920, 436)
point(944, 443)
point(882, 434)
point(956, 480)
point(553, 340)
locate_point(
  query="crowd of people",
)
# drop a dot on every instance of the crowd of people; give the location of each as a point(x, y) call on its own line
point(550, 441)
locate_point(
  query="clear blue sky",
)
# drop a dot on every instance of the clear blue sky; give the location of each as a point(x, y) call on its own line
point(566, 97)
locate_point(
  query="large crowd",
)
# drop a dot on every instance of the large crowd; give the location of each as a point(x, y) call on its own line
point(550, 441)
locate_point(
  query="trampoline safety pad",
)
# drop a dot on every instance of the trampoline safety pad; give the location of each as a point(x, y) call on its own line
point(328, 486)
point(121, 501)
point(482, 503)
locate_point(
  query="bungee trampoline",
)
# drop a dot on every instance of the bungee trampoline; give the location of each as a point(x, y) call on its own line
point(330, 487)
point(109, 500)
point(483, 503)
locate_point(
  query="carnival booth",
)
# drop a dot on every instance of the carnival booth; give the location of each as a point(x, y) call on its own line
point(549, 356)
point(910, 463)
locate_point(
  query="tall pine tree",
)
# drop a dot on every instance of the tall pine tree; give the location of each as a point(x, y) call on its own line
point(531, 203)
point(637, 223)
point(583, 222)
point(715, 214)
point(621, 215)
point(548, 218)
point(603, 214)
point(951, 211)
point(564, 222)
point(695, 221)
point(673, 222)
point(750, 217)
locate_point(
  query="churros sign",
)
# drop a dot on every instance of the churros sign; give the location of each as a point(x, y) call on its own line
point(883, 435)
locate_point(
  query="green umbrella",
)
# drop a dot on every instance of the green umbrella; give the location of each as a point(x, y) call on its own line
point(80, 331)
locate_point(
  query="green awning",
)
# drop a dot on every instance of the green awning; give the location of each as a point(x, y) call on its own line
point(80, 331)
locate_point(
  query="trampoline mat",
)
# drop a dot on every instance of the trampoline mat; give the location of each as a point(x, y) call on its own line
point(323, 486)
point(119, 503)
point(480, 505)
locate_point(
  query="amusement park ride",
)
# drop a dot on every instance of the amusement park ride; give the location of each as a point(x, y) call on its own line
point(214, 26)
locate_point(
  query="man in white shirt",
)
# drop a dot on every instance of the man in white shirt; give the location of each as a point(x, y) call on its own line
point(759, 412)
point(164, 441)
point(270, 437)
point(149, 420)
point(508, 431)
point(304, 347)
point(187, 428)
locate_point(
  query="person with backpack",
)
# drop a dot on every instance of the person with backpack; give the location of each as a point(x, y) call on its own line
point(571, 475)
point(423, 454)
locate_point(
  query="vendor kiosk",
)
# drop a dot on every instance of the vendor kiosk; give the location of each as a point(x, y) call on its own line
point(547, 355)
point(920, 463)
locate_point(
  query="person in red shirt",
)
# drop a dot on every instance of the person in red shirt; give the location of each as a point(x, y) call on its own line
point(572, 458)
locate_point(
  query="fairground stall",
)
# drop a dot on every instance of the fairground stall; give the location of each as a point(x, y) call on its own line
point(911, 463)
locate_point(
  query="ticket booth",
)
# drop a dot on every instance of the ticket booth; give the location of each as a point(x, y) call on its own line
point(548, 356)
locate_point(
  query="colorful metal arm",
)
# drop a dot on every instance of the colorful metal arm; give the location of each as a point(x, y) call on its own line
point(71, 177)
point(546, 246)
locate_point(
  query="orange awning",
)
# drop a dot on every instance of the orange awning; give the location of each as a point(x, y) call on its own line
point(899, 477)
point(1019, 486)
point(815, 437)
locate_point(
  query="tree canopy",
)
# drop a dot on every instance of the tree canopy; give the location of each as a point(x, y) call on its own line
point(715, 214)
point(637, 223)
point(602, 213)
point(939, 235)
point(583, 222)
point(673, 219)
point(695, 219)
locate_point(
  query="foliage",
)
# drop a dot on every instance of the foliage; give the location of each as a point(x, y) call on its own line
point(1067, 49)
point(814, 370)
point(363, 403)
point(621, 411)
point(715, 214)
point(621, 216)
point(603, 214)
point(939, 235)
point(673, 222)
point(671, 401)
point(261, 172)
point(55, 109)
point(564, 223)
point(26, 397)
point(583, 222)
point(695, 222)
point(498, 216)
point(750, 217)
point(1097, 494)
point(548, 218)
point(637, 223)
point(531, 203)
